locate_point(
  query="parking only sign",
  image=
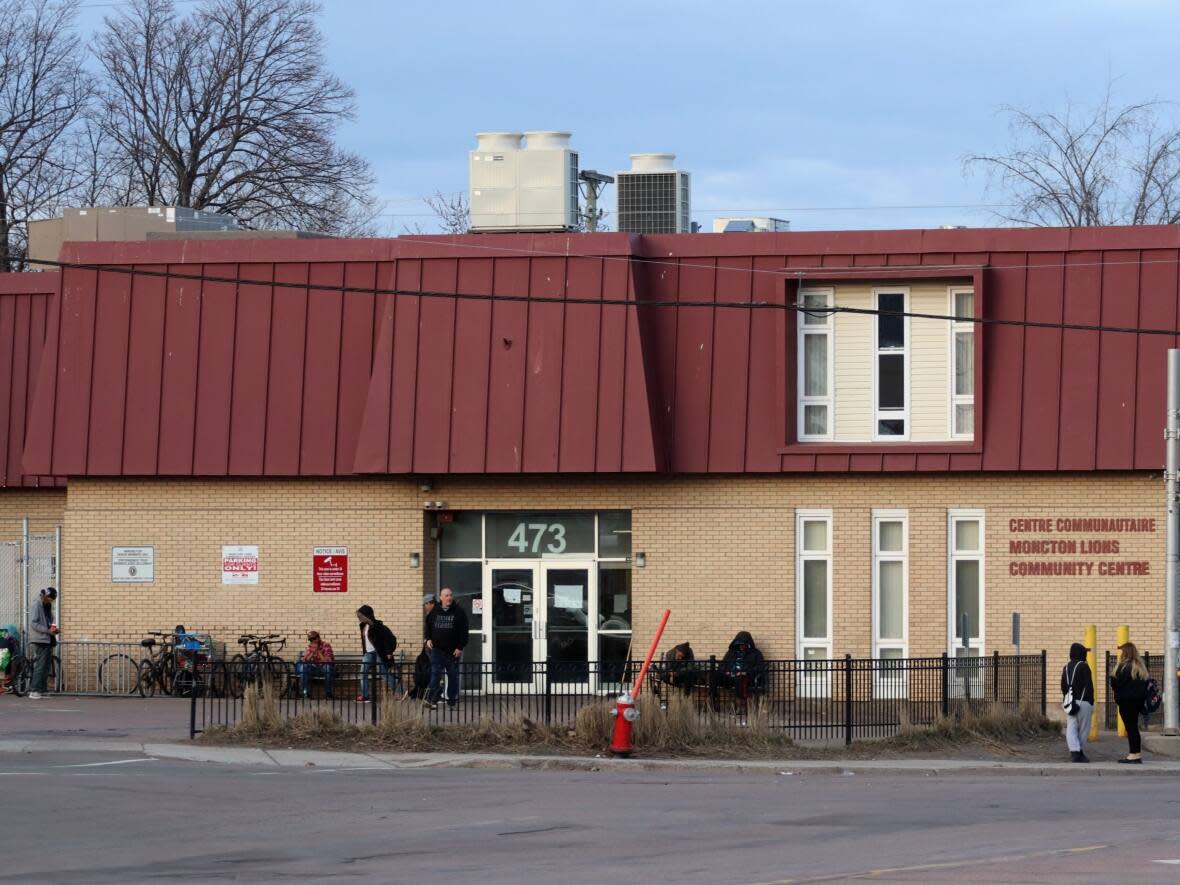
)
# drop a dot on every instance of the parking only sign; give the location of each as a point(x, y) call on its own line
point(239, 564)
point(329, 569)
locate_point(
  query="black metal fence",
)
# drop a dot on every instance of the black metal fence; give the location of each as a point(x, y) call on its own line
point(814, 700)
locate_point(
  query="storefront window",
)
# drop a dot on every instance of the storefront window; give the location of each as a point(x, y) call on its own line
point(966, 591)
point(466, 581)
point(614, 619)
point(462, 538)
point(614, 534)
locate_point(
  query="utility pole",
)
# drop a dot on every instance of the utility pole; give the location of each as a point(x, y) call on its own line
point(592, 185)
point(1172, 550)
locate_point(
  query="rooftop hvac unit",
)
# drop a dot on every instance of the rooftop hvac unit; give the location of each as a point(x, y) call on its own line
point(653, 197)
point(523, 181)
point(758, 225)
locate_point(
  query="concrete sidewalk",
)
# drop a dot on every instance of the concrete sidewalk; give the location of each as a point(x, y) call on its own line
point(253, 756)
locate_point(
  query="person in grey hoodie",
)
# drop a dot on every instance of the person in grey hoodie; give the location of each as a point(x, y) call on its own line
point(42, 639)
point(1077, 679)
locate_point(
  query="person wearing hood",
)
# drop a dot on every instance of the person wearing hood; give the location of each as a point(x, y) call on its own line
point(743, 668)
point(680, 669)
point(377, 646)
point(1077, 693)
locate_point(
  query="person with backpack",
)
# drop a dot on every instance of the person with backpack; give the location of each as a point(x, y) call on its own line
point(1077, 699)
point(1129, 684)
point(446, 637)
point(377, 646)
point(42, 638)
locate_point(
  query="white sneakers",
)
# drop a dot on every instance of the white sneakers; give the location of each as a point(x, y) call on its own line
point(34, 695)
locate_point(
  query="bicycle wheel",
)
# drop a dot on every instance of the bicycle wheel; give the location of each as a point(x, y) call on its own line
point(186, 684)
point(22, 674)
point(149, 677)
point(236, 676)
point(118, 674)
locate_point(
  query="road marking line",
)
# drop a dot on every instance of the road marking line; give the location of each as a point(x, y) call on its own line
point(1176, 862)
point(115, 762)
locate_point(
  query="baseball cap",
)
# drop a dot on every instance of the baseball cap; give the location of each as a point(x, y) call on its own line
point(429, 597)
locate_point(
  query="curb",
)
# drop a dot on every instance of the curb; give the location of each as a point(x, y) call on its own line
point(278, 758)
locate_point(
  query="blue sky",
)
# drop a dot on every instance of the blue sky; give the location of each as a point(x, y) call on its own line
point(771, 106)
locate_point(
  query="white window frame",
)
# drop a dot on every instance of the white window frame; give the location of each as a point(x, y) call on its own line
point(880, 556)
point(828, 330)
point(891, 414)
point(890, 683)
point(960, 327)
point(953, 518)
point(812, 682)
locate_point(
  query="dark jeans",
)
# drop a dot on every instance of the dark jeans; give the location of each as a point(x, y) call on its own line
point(368, 662)
point(42, 655)
point(443, 662)
point(1130, 714)
point(306, 671)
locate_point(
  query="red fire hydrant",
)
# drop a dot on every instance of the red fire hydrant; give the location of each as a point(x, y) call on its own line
point(625, 714)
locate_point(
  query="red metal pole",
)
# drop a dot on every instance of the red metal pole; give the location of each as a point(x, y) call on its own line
point(651, 653)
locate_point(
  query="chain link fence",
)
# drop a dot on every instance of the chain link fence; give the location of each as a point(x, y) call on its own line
point(29, 562)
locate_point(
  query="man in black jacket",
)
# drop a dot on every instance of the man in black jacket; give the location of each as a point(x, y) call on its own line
point(446, 637)
point(377, 645)
point(1077, 679)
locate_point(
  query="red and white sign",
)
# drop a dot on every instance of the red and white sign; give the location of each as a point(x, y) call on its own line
point(239, 564)
point(329, 569)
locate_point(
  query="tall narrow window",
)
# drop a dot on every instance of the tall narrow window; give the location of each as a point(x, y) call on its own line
point(962, 380)
point(891, 368)
point(813, 540)
point(813, 601)
point(965, 596)
point(890, 583)
point(815, 364)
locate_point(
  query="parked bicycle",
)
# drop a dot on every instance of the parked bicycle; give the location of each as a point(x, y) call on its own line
point(258, 662)
point(21, 668)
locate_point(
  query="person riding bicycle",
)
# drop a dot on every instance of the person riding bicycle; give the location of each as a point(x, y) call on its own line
point(9, 648)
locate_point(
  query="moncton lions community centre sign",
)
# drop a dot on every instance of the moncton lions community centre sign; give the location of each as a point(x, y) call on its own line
point(1109, 547)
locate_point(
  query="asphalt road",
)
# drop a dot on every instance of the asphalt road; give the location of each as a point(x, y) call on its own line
point(100, 818)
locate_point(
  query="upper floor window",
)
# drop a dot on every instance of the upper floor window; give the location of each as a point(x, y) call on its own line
point(888, 363)
point(815, 364)
point(962, 380)
point(891, 365)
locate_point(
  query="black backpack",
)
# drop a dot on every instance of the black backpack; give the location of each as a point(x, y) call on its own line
point(1153, 699)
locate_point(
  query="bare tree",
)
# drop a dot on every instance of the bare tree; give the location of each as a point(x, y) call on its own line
point(451, 210)
point(232, 109)
point(43, 91)
point(1088, 166)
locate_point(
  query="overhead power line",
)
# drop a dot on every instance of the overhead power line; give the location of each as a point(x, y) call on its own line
point(600, 302)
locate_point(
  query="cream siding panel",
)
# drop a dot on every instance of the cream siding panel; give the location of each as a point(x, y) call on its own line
point(929, 365)
point(929, 354)
point(854, 365)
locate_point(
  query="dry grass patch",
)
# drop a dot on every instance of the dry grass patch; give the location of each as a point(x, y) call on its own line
point(997, 728)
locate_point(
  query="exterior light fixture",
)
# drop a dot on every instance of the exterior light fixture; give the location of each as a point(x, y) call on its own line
point(415, 560)
point(641, 560)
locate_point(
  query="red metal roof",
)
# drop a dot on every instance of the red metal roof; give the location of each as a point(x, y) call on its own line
point(24, 303)
point(180, 377)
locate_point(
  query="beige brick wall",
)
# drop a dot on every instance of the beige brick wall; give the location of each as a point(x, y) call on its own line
point(45, 509)
point(720, 553)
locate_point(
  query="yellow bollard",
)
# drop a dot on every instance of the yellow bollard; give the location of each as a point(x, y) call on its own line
point(1121, 635)
point(1090, 640)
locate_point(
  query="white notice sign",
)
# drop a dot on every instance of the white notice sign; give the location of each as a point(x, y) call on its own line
point(239, 564)
point(133, 565)
point(567, 596)
point(512, 595)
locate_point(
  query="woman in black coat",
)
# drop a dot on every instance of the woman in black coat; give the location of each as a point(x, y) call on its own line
point(1129, 684)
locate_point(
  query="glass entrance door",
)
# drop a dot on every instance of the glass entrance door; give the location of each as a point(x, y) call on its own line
point(540, 613)
point(566, 628)
point(513, 625)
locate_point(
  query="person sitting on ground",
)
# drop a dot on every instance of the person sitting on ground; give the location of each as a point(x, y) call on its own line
point(9, 648)
point(317, 660)
point(680, 669)
point(743, 669)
